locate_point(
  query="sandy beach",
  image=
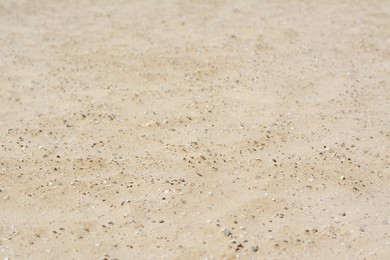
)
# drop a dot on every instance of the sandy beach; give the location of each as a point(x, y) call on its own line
point(194, 129)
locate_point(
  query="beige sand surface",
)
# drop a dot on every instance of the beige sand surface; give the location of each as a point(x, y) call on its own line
point(194, 129)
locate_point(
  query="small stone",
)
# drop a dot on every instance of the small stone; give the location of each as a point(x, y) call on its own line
point(239, 246)
point(254, 248)
point(226, 232)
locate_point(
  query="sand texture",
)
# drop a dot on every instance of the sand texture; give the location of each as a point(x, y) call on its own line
point(194, 129)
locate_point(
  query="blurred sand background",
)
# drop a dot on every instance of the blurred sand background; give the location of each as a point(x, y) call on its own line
point(194, 129)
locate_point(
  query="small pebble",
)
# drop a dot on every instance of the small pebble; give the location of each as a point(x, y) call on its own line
point(226, 232)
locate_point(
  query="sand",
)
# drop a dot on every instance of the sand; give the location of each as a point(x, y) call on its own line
point(194, 129)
